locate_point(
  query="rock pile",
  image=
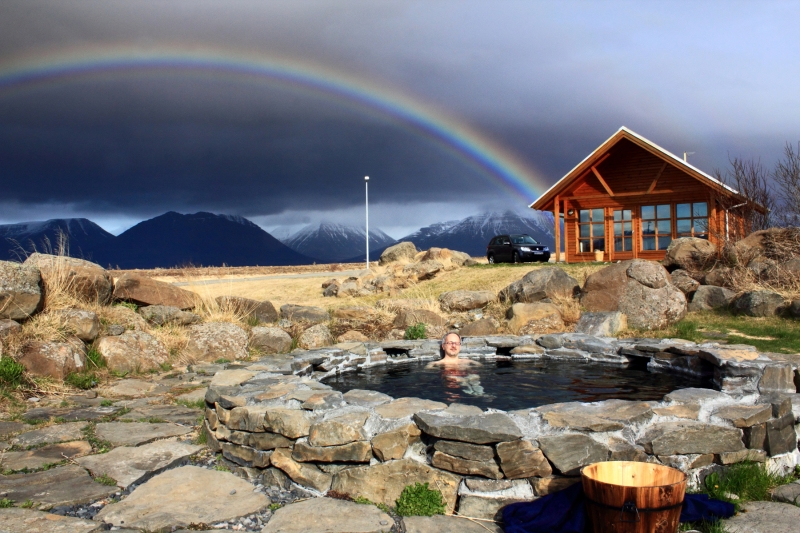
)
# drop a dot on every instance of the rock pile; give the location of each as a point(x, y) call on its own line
point(713, 279)
point(403, 266)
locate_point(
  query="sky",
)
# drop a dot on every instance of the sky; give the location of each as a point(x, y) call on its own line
point(119, 111)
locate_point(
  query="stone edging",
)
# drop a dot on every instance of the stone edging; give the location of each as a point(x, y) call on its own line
point(275, 419)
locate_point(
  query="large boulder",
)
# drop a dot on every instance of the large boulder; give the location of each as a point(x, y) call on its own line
point(455, 301)
point(20, 290)
point(84, 324)
point(356, 313)
point(85, 280)
point(410, 317)
point(142, 290)
point(316, 336)
point(261, 311)
point(445, 255)
point(304, 313)
point(535, 318)
point(216, 340)
point(422, 270)
point(640, 289)
point(397, 252)
point(602, 324)
point(384, 482)
point(479, 328)
point(689, 253)
point(270, 340)
point(159, 315)
point(759, 303)
point(133, 351)
point(546, 282)
point(53, 359)
point(685, 282)
point(708, 297)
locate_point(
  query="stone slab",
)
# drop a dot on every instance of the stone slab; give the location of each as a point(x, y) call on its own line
point(72, 415)
point(743, 416)
point(8, 429)
point(131, 388)
point(686, 437)
point(568, 452)
point(65, 485)
point(50, 435)
point(367, 398)
point(789, 493)
point(15, 520)
point(483, 429)
point(138, 433)
point(164, 413)
point(127, 465)
point(447, 524)
point(184, 496)
point(326, 515)
point(404, 407)
point(39, 457)
point(764, 517)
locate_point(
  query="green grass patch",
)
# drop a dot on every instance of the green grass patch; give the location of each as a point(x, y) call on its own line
point(94, 358)
point(744, 482)
point(12, 374)
point(202, 437)
point(106, 403)
point(192, 404)
point(417, 331)
point(5, 503)
point(420, 500)
point(274, 506)
point(27, 504)
point(130, 305)
point(98, 445)
point(106, 480)
point(767, 334)
point(366, 501)
point(222, 361)
point(82, 381)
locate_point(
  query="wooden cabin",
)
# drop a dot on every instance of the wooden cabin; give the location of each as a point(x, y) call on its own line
point(630, 198)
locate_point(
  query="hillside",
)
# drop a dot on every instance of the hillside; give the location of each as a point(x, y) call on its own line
point(81, 237)
point(173, 239)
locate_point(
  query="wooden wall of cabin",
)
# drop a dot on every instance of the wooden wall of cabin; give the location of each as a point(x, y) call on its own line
point(630, 172)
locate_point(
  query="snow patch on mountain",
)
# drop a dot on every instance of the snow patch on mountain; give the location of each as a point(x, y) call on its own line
point(328, 241)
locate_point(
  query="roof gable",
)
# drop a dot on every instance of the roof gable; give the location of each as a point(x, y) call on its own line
point(544, 202)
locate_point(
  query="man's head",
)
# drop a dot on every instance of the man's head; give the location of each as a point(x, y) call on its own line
point(451, 344)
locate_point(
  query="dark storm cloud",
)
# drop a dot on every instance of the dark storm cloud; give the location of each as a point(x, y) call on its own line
point(548, 81)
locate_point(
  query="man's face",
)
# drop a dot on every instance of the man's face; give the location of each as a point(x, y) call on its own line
point(451, 345)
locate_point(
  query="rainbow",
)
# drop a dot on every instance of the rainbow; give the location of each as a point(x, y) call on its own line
point(456, 137)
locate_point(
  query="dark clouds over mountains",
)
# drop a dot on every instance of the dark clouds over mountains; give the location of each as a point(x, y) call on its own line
point(86, 131)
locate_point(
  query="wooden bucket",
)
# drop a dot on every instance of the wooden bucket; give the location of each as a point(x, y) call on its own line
point(630, 497)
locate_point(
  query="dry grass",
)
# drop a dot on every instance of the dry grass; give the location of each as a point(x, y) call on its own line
point(174, 338)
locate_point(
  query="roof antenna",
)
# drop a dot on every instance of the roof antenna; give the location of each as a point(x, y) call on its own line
point(685, 154)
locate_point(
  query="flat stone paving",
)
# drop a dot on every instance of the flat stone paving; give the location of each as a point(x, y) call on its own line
point(765, 517)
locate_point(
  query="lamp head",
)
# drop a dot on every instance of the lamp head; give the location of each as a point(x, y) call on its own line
point(366, 178)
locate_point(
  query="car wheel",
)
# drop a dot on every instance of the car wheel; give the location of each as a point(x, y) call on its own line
point(491, 259)
point(515, 258)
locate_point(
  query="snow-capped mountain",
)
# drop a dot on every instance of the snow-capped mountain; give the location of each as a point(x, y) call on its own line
point(472, 234)
point(331, 242)
point(80, 237)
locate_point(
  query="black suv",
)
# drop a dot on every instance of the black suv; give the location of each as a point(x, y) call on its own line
point(516, 248)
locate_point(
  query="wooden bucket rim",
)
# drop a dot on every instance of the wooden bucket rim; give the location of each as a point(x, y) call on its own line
point(585, 476)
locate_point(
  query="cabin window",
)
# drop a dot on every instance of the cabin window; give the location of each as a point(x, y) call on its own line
point(692, 220)
point(591, 230)
point(656, 227)
point(623, 231)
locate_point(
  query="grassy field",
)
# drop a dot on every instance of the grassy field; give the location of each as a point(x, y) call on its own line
point(308, 291)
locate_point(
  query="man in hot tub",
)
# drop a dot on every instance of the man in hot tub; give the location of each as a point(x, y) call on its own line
point(451, 347)
point(454, 367)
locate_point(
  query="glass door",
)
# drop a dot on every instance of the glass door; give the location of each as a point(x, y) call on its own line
point(623, 231)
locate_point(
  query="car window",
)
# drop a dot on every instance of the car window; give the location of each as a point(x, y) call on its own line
point(524, 239)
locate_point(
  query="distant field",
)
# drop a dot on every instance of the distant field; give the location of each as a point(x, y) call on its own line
point(308, 290)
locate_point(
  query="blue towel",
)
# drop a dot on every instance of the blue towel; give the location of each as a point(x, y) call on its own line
point(564, 512)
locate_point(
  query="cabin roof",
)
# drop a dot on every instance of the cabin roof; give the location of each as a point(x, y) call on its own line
point(544, 202)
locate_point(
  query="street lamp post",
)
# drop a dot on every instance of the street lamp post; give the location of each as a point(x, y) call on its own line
point(366, 198)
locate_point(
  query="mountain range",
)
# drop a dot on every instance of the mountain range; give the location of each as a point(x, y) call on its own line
point(333, 243)
point(207, 239)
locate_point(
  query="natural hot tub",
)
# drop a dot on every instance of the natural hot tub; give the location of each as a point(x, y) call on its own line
point(278, 419)
point(509, 385)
